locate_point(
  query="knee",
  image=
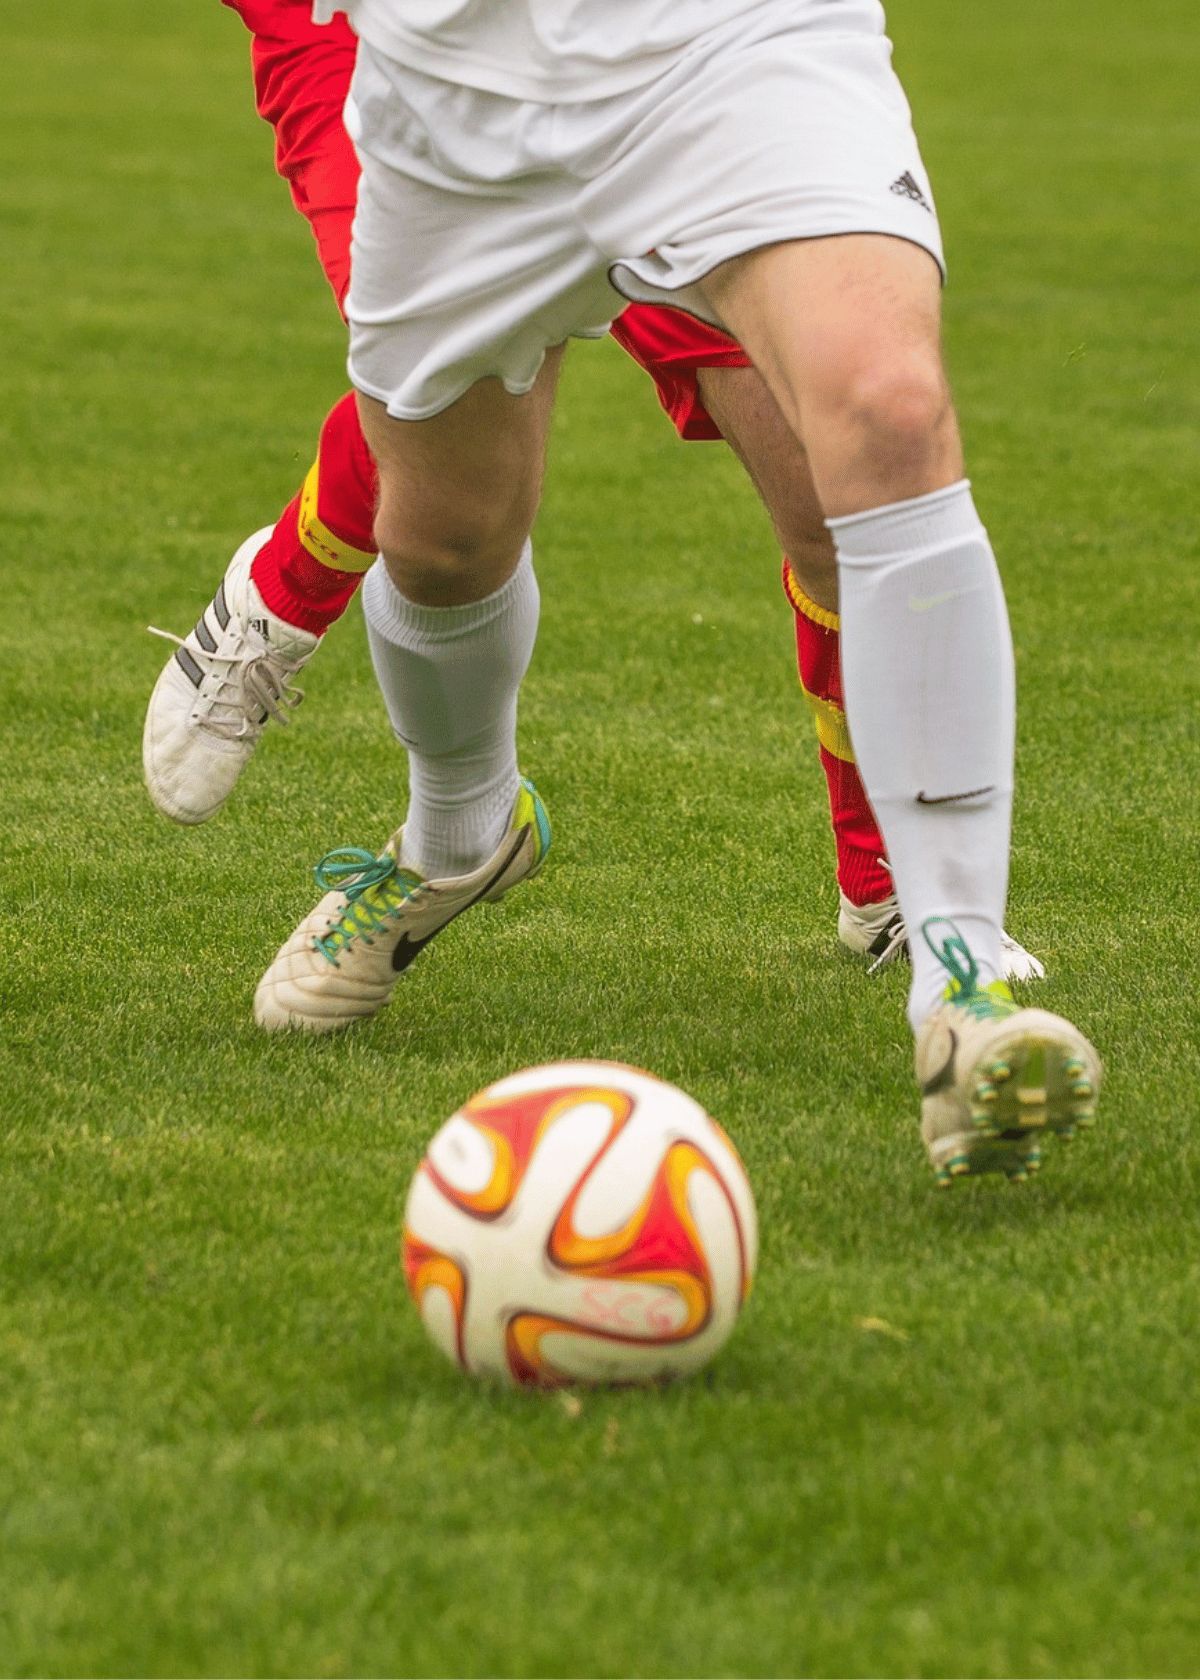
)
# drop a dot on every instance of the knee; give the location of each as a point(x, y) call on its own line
point(900, 410)
point(453, 554)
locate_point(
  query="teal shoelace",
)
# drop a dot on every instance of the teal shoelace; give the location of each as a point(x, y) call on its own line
point(954, 954)
point(376, 890)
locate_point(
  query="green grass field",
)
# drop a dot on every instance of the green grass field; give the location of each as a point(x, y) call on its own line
point(225, 1443)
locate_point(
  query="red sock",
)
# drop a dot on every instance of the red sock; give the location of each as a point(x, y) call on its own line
point(860, 874)
point(323, 542)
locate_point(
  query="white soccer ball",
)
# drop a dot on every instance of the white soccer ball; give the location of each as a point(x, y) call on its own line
point(580, 1223)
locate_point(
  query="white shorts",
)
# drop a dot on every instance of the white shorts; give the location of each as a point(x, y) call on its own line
point(489, 229)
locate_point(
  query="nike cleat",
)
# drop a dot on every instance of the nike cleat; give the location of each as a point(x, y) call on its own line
point(996, 1080)
point(376, 917)
point(878, 931)
point(217, 692)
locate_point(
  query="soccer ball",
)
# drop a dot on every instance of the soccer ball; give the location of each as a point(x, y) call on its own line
point(580, 1223)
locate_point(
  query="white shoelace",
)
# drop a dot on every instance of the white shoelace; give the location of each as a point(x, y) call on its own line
point(252, 686)
point(1027, 967)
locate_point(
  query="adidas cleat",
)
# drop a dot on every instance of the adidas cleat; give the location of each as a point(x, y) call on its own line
point(996, 1079)
point(878, 931)
point(873, 930)
point(216, 693)
point(343, 960)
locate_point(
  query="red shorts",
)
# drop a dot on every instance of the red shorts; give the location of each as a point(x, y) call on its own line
point(302, 74)
point(671, 345)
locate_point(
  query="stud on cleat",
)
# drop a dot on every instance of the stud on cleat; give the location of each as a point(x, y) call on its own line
point(1081, 1089)
point(998, 1071)
point(985, 1092)
point(1032, 1109)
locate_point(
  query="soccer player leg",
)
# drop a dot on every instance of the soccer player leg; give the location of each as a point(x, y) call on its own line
point(750, 420)
point(928, 667)
point(455, 357)
point(322, 543)
point(452, 609)
point(289, 582)
point(748, 417)
point(282, 590)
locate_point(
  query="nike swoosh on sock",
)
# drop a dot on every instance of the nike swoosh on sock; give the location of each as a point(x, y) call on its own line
point(954, 798)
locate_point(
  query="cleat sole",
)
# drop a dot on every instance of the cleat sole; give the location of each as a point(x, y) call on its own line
point(1031, 1076)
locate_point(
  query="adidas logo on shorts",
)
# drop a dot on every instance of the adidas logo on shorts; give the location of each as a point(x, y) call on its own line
point(908, 187)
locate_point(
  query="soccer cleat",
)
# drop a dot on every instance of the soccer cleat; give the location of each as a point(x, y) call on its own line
point(878, 931)
point(997, 1079)
point(873, 930)
point(216, 693)
point(343, 960)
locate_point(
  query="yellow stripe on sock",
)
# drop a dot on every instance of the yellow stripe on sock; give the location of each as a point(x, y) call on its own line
point(831, 726)
point(319, 540)
point(829, 718)
point(804, 604)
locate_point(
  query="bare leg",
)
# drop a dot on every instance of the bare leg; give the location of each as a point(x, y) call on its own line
point(752, 423)
point(846, 334)
point(458, 493)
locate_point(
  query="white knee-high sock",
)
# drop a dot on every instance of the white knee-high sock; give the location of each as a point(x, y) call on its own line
point(449, 677)
point(930, 703)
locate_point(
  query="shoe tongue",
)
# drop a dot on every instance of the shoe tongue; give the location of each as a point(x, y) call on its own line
point(283, 638)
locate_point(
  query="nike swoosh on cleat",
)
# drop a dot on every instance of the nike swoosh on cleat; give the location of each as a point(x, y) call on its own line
point(954, 798)
point(408, 949)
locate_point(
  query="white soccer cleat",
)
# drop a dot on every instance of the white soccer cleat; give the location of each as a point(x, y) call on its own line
point(878, 931)
point(343, 960)
point(997, 1079)
point(216, 693)
point(873, 930)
